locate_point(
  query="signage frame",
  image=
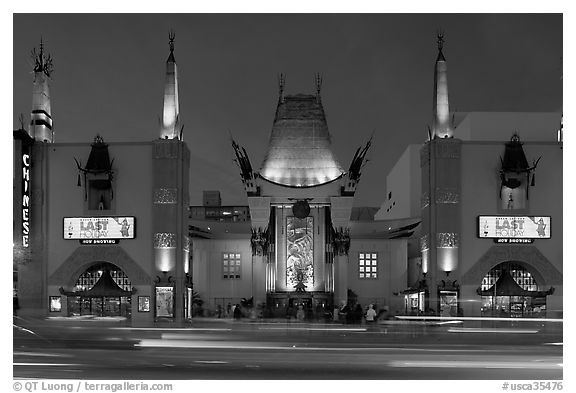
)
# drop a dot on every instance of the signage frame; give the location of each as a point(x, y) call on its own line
point(26, 165)
point(134, 235)
point(495, 238)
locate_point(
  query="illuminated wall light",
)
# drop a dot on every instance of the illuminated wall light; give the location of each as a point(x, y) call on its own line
point(186, 254)
point(447, 259)
point(425, 250)
point(165, 259)
point(186, 260)
point(425, 261)
point(165, 251)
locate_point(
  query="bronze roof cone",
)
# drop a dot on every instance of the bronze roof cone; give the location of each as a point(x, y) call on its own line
point(299, 153)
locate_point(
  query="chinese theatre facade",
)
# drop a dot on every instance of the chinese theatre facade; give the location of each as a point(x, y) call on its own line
point(105, 228)
point(101, 228)
point(300, 205)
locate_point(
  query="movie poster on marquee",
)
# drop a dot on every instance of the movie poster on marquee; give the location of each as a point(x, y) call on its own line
point(165, 302)
point(514, 227)
point(79, 228)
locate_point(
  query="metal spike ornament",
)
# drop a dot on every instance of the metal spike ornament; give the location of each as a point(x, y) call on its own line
point(171, 36)
point(440, 39)
point(42, 63)
point(281, 83)
point(318, 86)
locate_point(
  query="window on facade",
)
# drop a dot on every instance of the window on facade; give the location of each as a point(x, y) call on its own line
point(367, 265)
point(522, 276)
point(231, 265)
point(91, 276)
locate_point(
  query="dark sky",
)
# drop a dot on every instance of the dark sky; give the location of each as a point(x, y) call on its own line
point(377, 70)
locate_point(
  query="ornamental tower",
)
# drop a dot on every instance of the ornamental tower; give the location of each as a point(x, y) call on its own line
point(440, 162)
point(441, 123)
point(170, 181)
point(41, 118)
point(171, 126)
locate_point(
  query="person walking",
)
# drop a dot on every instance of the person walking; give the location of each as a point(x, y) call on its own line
point(370, 315)
point(237, 312)
point(300, 315)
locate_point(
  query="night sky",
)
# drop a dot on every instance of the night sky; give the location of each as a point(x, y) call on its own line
point(377, 71)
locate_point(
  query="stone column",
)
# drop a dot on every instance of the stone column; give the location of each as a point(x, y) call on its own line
point(259, 242)
point(32, 279)
point(341, 247)
point(260, 217)
point(439, 244)
point(340, 210)
point(171, 162)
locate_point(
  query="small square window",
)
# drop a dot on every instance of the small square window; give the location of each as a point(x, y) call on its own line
point(231, 263)
point(367, 265)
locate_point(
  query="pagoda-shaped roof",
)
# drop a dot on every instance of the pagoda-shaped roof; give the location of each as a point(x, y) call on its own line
point(507, 286)
point(299, 153)
point(99, 158)
point(514, 157)
point(105, 286)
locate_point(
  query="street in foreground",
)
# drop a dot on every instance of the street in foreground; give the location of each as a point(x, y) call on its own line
point(247, 350)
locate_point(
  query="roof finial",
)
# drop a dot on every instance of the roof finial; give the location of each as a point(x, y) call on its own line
point(318, 83)
point(281, 83)
point(440, 39)
point(42, 63)
point(171, 36)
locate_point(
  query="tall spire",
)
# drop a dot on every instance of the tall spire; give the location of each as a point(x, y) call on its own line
point(318, 79)
point(441, 126)
point(40, 117)
point(170, 128)
point(281, 83)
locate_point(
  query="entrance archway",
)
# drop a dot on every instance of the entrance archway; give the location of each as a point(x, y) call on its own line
point(102, 290)
point(510, 290)
point(528, 256)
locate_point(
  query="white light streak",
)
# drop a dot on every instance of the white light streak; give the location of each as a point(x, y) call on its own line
point(473, 364)
point(486, 330)
point(434, 318)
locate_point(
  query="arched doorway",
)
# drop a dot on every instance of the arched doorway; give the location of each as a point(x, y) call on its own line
point(102, 290)
point(510, 290)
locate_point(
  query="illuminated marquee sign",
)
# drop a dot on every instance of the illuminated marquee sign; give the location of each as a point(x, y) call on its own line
point(517, 229)
point(99, 230)
point(25, 199)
